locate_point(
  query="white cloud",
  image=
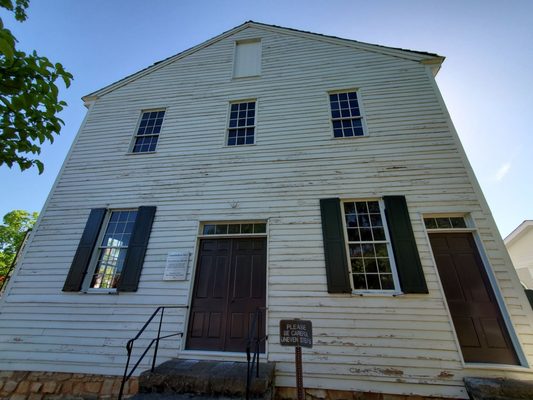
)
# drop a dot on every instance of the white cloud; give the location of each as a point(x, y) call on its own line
point(502, 171)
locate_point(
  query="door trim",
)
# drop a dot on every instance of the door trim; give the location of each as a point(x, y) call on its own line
point(471, 228)
point(229, 356)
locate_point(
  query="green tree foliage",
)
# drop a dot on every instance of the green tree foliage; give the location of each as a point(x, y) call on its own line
point(12, 233)
point(29, 102)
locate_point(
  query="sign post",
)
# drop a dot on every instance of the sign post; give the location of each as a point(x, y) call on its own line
point(297, 333)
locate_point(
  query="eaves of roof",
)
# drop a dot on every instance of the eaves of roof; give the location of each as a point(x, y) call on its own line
point(519, 231)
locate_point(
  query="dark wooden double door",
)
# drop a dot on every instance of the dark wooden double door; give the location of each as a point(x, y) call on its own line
point(230, 285)
point(476, 315)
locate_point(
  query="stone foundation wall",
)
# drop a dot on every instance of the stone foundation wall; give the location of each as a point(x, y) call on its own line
point(24, 385)
point(289, 393)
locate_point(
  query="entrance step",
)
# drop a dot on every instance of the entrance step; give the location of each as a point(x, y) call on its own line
point(202, 379)
point(176, 396)
point(498, 389)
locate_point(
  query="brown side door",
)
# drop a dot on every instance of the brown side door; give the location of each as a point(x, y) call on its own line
point(476, 315)
point(230, 285)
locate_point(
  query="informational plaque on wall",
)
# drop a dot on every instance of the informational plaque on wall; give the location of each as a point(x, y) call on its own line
point(176, 268)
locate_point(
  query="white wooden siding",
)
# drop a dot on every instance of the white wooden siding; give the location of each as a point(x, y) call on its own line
point(405, 344)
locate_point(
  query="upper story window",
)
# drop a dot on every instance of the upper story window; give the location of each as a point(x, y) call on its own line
point(247, 61)
point(241, 127)
point(345, 114)
point(368, 246)
point(148, 131)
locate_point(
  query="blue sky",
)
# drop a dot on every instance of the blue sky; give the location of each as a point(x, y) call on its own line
point(485, 80)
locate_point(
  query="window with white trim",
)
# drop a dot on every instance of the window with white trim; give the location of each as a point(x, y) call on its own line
point(369, 249)
point(452, 222)
point(148, 130)
point(234, 228)
point(112, 247)
point(346, 115)
point(241, 123)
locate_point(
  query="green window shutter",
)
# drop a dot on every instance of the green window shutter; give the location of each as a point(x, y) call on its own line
point(337, 271)
point(133, 262)
point(83, 255)
point(404, 245)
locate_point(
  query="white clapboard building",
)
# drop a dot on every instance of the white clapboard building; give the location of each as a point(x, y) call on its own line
point(305, 175)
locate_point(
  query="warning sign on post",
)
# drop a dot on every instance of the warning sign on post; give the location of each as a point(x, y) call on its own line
point(296, 332)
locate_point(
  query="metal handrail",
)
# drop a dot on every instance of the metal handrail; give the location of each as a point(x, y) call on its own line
point(129, 345)
point(254, 361)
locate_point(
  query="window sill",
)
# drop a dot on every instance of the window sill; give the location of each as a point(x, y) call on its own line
point(240, 78)
point(488, 366)
point(140, 152)
point(99, 291)
point(349, 137)
point(239, 145)
point(377, 293)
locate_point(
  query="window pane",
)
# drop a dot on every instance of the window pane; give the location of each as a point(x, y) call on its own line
point(221, 229)
point(379, 233)
point(349, 208)
point(359, 282)
point(458, 222)
point(351, 220)
point(384, 265)
point(259, 228)
point(430, 223)
point(381, 250)
point(358, 265)
point(247, 228)
point(353, 235)
point(443, 223)
point(373, 207)
point(371, 266)
point(373, 281)
point(375, 220)
point(364, 220)
point(361, 207)
point(368, 250)
point(366, 234)
point(209, 230)
point(356, 250)
point(234, 228)
point(387, 283)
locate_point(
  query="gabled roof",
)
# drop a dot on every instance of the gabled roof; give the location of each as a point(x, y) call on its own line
point(418, 56)
point(519, 231)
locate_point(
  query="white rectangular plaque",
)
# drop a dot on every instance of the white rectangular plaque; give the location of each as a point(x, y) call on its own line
point(176, 268)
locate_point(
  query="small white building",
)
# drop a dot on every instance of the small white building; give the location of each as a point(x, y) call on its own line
point(519, 244)
point(319, 177)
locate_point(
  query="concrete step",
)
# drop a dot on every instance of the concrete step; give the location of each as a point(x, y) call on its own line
point(210, 379)
point(498, 389)
point(177, 396)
